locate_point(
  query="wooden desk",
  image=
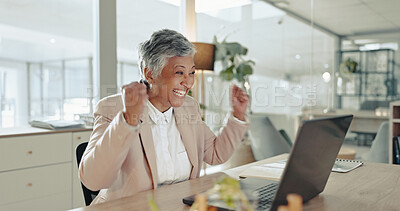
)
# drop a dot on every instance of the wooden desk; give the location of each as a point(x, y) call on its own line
point(372, 186)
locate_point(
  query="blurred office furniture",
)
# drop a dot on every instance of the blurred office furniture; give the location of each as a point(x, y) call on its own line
point(88, 194)
point(286, 137)
point(346, 153)
point(39, 170)
point(394, 126)
point(204, 62)
point(242, 155)
point(368, 81)
point(374, 104)
point(265, 140)
point(379, 149)
point(363, 122)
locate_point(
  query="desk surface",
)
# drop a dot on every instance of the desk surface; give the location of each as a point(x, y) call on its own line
point(372, 186)
point(28, 130)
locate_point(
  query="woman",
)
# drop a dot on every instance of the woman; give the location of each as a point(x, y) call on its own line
point(143, 139)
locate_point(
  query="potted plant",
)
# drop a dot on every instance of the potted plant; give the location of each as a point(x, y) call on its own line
point(234, 65)
point(349, 66)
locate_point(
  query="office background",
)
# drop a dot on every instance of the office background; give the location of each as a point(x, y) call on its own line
point(49, 70)
point(46, 49)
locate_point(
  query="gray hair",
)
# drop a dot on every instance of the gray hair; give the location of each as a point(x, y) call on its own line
point(162, 45)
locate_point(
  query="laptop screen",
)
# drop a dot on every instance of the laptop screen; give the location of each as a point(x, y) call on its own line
point(313, 155)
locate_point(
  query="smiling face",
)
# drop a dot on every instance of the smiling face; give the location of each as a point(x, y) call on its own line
point(171, 86)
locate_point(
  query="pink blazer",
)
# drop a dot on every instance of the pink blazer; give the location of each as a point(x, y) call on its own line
point(121, 161)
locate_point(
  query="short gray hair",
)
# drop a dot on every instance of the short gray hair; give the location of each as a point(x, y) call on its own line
point(162, 45)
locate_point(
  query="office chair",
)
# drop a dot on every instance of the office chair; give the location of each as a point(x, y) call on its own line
point(88, 194)
point(266, 141)
point(379, 151)
point(286, 137)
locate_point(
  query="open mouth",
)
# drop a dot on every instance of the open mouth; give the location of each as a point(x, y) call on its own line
point(179, 93)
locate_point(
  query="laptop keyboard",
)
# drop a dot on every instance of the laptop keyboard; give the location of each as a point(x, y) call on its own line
point(266, 195)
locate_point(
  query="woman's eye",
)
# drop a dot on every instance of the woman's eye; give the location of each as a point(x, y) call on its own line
point(179, 72)
point(192, 73)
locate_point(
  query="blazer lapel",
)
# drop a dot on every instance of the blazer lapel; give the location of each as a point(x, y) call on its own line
point(146, 138)
point(183, 121)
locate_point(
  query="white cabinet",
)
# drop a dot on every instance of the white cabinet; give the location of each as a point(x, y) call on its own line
point(35, 183)
point(37, 150)
point(38, 171)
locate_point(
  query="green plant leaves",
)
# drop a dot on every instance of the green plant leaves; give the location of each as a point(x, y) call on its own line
point(228, 73)
point(231, 56)
point(229, 190)
point(235, 48)
point(244, 69)
point(348, 66)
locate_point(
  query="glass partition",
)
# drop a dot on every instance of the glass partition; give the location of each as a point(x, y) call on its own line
point(291, 56)
point(297, 46)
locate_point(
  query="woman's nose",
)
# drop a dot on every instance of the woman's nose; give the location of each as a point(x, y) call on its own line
point(187, 81)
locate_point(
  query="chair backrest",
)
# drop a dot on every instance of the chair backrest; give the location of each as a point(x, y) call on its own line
point(286, 137)
point(379, 151)
point(266, 141)
point(88, 194)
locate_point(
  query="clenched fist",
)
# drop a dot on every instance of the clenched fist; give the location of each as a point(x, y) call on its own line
point(134, 96)
point(240, 100)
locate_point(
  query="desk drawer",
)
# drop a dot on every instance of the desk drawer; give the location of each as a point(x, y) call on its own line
point(28, 151)
point(33, 183)
point(59, 201)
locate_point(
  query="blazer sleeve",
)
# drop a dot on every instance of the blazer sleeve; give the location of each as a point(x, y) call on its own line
point(107, 148)
point(218, 149)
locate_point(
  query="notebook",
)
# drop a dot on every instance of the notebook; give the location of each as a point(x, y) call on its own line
point(274, 170)
point(343, 165)
point(56, 124)
point(307, 170)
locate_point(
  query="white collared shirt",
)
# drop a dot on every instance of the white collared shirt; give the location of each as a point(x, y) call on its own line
point(172, 161)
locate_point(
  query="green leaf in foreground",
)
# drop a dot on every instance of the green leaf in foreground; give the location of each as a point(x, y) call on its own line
point(229, 191)
point(152, 204)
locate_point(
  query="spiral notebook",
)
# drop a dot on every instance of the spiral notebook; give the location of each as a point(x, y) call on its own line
point(274, 170)
point(343, 165)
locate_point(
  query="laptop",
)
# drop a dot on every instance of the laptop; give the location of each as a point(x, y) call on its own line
point(310, 163)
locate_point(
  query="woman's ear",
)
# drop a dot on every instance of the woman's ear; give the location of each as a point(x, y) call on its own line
point(148, 75)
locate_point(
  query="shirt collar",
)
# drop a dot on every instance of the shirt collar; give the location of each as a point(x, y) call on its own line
point(158, 117)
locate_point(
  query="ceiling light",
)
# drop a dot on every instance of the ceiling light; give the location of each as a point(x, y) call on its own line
point(211, 5)
point(173, 2)
point(298, 56)
point(363, 41)
point(326, 77)
point(376, 46)
point(282, 4)
point(347, 42)
point(262, 10)
point(52, 40)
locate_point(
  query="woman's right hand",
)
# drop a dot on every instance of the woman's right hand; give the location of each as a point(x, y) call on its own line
point(134, 96)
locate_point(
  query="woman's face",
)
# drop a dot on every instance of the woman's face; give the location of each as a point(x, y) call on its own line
point(174, 82)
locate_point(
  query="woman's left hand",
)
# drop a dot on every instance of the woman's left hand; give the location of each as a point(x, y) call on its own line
point(240, 100)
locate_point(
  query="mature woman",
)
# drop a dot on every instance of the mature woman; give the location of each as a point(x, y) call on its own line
point(143, 139)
